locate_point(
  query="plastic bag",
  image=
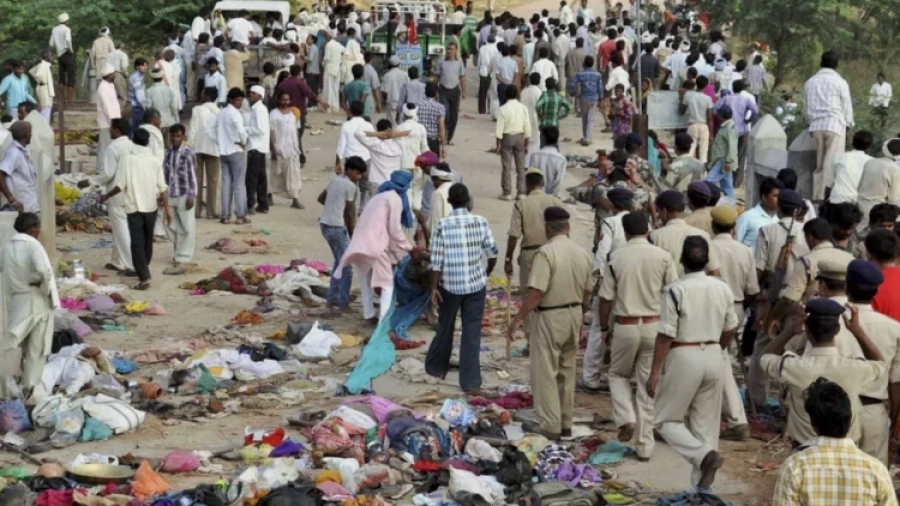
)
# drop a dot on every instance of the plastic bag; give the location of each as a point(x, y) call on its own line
point(68, 426)
point(347, 468)
point(457, 413)
point(124, 366)
point(95, 430)
point(14, 417)
point(353, 417)
point(146, 483)
point(107, 382)
point(318, 342)
point(180, 462)
point(46, 411)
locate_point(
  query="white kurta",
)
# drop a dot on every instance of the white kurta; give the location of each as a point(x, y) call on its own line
point(285, 178)
point(351, 56)
point(30, 308)
point(331, 62)
point(43, 75)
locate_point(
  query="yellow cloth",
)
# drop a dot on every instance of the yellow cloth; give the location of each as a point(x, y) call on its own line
point(67, 195)
point(136, 307)
point(324, 476)
point(349, 340)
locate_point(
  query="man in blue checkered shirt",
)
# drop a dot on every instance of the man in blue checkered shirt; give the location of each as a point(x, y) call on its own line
point(458, 281)
point(589, 84)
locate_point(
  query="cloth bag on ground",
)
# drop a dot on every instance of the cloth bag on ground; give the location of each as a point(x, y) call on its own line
point(118, 415)
point(559, 494)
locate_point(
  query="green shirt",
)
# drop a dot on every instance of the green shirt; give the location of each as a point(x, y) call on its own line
point(548, 108)
point(358, 90)
point(725, 147)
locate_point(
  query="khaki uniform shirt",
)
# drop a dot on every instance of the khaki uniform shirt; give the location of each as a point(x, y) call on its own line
point(702, 219)
point(697, 309)
point(612, 237)
point(562, 270)
point(635, 277)
point(884, 332)
point(799, 372)
point(806, 268)
point(671, 238)
point(770, 241)
point(527, 221)
point(738, 269)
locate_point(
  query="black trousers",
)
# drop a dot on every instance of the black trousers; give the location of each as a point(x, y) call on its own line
point(450, 99)
point(437, 360)
point(484, 84)
point(435, 146)
point(313, 81)
point(501, 92)
point(256, 182)
point(140, 226)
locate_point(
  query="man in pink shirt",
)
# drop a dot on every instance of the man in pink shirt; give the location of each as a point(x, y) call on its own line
point(107, 110)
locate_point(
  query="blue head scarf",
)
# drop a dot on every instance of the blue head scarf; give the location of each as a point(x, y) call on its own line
point(399, 182)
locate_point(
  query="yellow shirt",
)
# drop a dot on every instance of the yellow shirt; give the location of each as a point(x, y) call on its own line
point(513, 119)
point(833, 472)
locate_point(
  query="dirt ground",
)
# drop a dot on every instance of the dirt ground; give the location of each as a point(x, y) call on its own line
point(295, 234)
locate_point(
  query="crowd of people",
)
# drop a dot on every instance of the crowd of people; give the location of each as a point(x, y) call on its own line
point(804, 289)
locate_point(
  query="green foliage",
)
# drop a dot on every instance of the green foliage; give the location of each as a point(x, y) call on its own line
point(25, 25)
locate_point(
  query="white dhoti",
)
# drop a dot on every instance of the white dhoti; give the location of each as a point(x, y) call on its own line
point(46, 112)
point(367, 293)
point(121, 251)
point(183, 229)
point(331, 93)
point(102, 143)
point(285, 177)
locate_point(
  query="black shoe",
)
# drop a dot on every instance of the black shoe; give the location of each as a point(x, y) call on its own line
point(711, 463)
point(566, 433)
point(261, 210)
point(128, 273)
point(534, 428)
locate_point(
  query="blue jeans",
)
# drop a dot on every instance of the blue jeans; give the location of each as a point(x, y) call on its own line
point(437, 361)
point(137, 118)
point(724, 180)
point(233, 187)
point(339, 289)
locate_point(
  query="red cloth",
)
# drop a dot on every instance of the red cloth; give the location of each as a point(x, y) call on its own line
point(400, 344)
point(412, 37)
point(512, 400)
point(887, 301)
point(606, 51)
point(424, 466)
point(55, 498)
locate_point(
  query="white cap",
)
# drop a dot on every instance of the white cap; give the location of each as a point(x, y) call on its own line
point(259, 90)
point(104, 30)
point(106, 70)
point(441, 174)
point(647, 38)
point(63, 17)
point(685, 45)
point(409, 110)
point(394, 61)
point(287, 60)
point(364, 16)
point(887, 152)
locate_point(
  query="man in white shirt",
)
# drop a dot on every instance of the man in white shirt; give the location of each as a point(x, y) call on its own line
point(107, 110)
point(200, 23)
point(207, 152)
point(585, 12)
point(675, 63)
point(414, 145)
point(561, 46)
point(260, 138)
point(118, 60)
point(566, 15)
point(140, 179)
point(231, 137)
point(545, 68)
point(61, 41)
point(102, 46)
point(43, 76)
point(529, 98)
point(842, 177)
point(829, 110)
point(286, 168)
point(331, 66)
point(348, 146)
point(618, 75)
point(486, 56)
point(880, 97)
point(18, 180)
point(459, 16)
point(240, 29)
point(385, 151)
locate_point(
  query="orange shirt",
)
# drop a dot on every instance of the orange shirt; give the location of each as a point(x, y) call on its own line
point(887, 301)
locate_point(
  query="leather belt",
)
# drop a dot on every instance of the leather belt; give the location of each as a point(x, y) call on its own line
point(869, 401)
point(636, 320)
point(676, 344)
point(561, 306)
point(529, 248)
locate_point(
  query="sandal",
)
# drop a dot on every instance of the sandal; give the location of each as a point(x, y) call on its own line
point(242, 221)
point(225, 221)
point(144, 285)
point(111, 267)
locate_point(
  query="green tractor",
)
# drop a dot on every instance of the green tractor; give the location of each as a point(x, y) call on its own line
point(390, 39)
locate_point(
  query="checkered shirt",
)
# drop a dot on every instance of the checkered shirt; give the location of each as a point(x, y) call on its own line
point(429, 112)
point(828, 107)
point(548, 108)
point(457, 244)
point(833, 472)
point(756, 78)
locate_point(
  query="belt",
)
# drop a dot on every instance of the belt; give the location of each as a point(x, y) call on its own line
point(530, 248)
point(561, 306)
point(636, 320)
point(869, 401)
point(676, 344)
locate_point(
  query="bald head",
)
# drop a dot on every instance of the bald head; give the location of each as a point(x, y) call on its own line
point(21, 132)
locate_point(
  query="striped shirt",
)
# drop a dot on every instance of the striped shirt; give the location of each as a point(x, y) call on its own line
point(178, 168)
point(756, 78)
point(136, 84)
point(833, 472)
point(828, 107)
point(457, 245)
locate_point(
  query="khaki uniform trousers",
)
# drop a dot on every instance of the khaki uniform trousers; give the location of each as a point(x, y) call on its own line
point(732, 402)
point(700, 133)
point(526, 261)
point(689, 402)
point(874, 424)
point(554, 345)
point(632, 350)
point(828, 145)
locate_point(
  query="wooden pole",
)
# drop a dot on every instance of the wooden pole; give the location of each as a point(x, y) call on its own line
point(508, 317)
point(61, 110)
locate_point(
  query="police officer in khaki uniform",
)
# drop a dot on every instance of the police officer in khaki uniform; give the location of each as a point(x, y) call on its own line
point(875, 420)
point(527, 224)
point(631, 291)
point(670, 205)
point(769, 243)
point(696, 323)
point(831, 283)
point(558, 293)
point(612, 237)
point(801, 284)
point(854, 375)
point(739, 271)
point(700, 201)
